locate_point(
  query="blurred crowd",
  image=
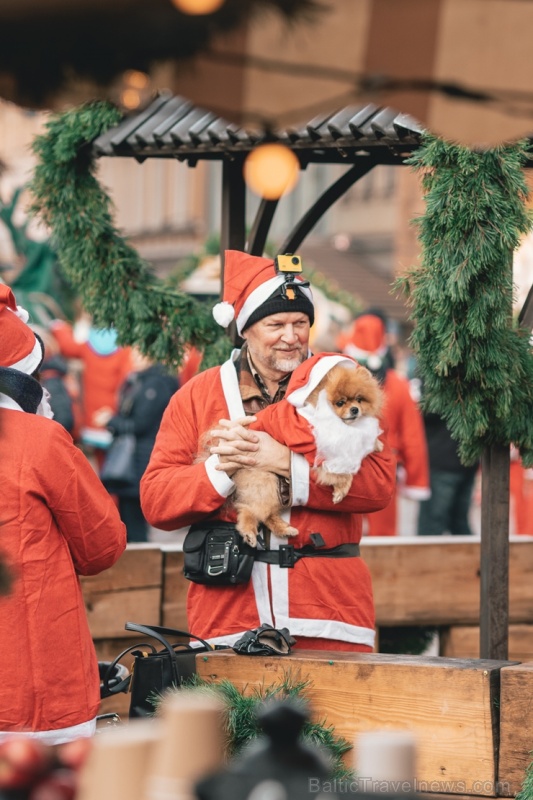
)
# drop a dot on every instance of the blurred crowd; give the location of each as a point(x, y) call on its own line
point(101, 391)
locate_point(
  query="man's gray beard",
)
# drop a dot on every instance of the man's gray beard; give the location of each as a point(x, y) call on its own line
point(287, 364)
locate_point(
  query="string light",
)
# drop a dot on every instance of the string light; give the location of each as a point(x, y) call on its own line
point(271, 170)
point(198, 6)
point(134, 89)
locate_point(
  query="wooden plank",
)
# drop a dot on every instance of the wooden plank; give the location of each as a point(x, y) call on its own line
point(447, 586)
point(130, 591)
point(449, 704)
point(446, 589)
point(516, 725)
point(462, 641)
point(138, 566)
point(108, 612)
point(175, 587)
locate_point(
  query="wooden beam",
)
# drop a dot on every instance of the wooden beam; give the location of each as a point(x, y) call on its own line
point(494, 561)
point(450, 705)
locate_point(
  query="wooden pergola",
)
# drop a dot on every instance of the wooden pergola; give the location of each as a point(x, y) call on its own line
point(361, 138)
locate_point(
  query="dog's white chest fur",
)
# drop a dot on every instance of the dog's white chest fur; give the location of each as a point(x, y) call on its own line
point(340, 447)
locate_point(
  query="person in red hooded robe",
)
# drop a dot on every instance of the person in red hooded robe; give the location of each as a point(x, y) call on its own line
point(57, 523)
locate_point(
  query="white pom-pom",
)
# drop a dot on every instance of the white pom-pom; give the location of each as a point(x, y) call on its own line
point(22, 314)
point(224, 313)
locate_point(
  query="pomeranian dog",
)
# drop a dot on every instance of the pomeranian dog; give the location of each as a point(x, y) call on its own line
point(342, 412)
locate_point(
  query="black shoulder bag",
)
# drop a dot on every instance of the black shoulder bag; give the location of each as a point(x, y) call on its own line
point(154, 670)
point(215, 554)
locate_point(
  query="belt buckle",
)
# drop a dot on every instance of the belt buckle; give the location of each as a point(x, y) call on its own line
point(287, 558)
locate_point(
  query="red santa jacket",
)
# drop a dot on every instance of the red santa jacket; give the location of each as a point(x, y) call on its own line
point(320, 597)
point(57, 522)
point(102, 376)
point(406, 435)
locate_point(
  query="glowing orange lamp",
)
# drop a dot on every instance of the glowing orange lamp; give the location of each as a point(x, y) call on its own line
point(198, 6)
point(271, 170)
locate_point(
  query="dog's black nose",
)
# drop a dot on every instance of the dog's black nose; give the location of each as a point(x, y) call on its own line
point(354, 411)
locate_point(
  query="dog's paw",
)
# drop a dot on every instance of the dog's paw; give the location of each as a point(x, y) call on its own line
point(290, 531)
point(250, 538)
point(338, 495)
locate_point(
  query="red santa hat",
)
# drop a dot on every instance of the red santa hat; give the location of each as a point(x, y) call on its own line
point(20, 348)
point(308, 375)
point(253, 289)
point(366, 340)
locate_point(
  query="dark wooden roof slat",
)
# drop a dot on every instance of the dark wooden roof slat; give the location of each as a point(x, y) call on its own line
point(198, 131)
point(314, 127)
point(382, 123)
point(179, 133)
point(175, 112)
point(125, 129)
point(338, 124)
point(145, 133)
point(219, 131)
point(407, 127)
point(358, 121)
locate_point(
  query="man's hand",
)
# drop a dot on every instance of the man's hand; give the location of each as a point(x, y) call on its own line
point(238, 447)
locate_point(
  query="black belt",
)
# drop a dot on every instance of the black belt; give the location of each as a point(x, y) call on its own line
point(288, 555)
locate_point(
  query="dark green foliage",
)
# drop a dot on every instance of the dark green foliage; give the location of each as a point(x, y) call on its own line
point(240, 718)
point(115, 285)
point(526, 790)
point(476, 363)
point(406, 639)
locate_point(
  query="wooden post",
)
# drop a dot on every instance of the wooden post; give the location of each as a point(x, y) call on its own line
point(494, 566)
point(233, 223)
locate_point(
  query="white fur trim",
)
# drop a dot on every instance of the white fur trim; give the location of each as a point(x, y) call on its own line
point(415, 492)
point(220, 481)
point(299, 479)
point(223, 313)
point(29, 363)
point(230, 387)
point(321, 368)
point(356, 352)
point(22, 314)
point(257, 298)
point(262, 293)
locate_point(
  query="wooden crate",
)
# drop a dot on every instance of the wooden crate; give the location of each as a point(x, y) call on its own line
point(449, 704)
point(516, 725)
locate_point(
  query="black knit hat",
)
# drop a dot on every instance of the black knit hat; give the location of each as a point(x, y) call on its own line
point(279, 303)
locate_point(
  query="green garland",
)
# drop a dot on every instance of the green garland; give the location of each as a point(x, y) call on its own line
point(475, 363)
point(241, 723)
point(115, 285)
point(526, 790)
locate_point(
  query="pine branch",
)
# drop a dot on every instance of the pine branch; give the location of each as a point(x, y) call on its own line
point(475, 362)
point(115, 285)
point(241, 725)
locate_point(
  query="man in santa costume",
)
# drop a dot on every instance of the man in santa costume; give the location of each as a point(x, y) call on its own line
point(58, 522)
point(367, 343)
point(326, 603)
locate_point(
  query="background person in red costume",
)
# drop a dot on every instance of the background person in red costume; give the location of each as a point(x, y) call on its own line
point(58, 522)
point(105, 368)
point(367, 343)
point(326, 603)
